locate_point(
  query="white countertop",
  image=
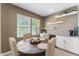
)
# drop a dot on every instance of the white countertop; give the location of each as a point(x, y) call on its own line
point(69, 36)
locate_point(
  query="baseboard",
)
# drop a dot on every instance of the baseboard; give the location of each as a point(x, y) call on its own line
point(5, 54)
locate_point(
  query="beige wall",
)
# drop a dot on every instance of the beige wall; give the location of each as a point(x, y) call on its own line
point(62, 29)
point(0, 28)
point(9, 28)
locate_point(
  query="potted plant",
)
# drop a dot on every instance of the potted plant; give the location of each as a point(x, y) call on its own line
point(76, 31)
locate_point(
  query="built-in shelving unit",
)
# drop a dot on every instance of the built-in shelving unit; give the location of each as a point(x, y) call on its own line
point(64, 15)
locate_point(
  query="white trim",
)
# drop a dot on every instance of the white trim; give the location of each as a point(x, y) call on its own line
point(5, 54)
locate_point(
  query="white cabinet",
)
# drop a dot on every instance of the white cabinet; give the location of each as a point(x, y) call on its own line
point(60, 42)
point(75, 45)
point(68, 43)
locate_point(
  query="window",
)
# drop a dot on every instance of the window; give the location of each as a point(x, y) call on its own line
point(23, 25)
point(35, 26)
point(27, 25)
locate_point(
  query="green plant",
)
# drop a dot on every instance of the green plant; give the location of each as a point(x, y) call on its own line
point(76, 31)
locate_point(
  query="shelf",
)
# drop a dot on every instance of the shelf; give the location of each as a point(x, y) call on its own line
point(72, 13)
point(48, 28)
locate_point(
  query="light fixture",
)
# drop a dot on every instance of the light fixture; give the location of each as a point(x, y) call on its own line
point(56, 22)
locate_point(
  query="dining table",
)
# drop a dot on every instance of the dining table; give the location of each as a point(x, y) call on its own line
point(25, 48)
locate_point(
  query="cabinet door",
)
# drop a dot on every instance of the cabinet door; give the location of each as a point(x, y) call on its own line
point(59, 41)
point(68, 44)
point(75, 48)
point(72, 45)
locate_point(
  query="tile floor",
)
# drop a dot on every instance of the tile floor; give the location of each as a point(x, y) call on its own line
point(58, 52)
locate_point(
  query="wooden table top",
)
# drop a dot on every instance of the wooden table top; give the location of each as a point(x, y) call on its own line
point(26, 47)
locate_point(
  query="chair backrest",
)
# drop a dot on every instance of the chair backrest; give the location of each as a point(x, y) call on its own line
point(27, 36)
point(51, 47)
point(44, 35)
point(13, 47)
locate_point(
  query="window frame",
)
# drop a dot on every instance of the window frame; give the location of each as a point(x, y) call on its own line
point(30, 18)
point(36, 26)
point(19, 26)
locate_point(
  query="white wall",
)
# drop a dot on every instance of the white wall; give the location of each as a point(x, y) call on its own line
point(0, 28)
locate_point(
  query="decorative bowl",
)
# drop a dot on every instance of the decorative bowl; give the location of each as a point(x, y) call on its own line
point(34, 42)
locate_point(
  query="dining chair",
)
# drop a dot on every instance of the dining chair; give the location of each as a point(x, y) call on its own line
point(12, 43)
point(51, 47)
point(27, 36)
point(44, 35)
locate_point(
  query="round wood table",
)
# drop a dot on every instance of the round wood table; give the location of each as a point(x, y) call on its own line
point(27, 49)
point(42, 45)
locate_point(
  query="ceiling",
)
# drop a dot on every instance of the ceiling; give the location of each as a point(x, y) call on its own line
point(44, 9)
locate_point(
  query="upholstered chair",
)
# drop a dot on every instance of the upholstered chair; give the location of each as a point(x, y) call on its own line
point(51, 47)
point(12, 43)
point(27, 36)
